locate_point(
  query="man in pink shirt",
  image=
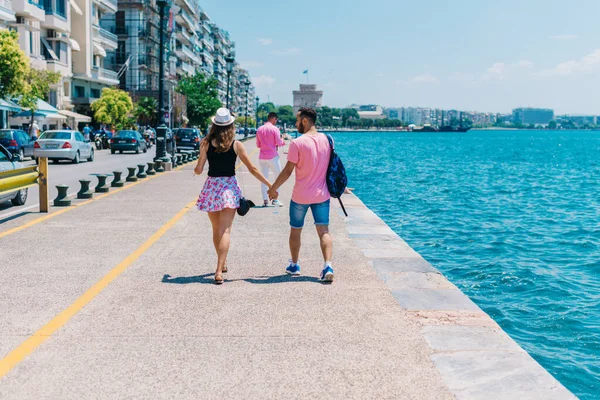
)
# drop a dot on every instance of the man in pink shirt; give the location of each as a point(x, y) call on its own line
point(308, 156)
point(268, 140)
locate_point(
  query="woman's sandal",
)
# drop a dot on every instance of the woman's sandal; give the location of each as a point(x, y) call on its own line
point(219, 279)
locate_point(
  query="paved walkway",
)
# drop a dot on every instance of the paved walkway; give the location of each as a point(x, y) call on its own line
point(114, 299)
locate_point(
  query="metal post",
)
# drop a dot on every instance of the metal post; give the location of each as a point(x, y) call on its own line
point(246, 119)
point(257, 103)
point(43, 184)
point(161, 129)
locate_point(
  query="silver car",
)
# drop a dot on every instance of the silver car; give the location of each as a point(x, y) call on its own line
point(8, 162)
point(63, 145)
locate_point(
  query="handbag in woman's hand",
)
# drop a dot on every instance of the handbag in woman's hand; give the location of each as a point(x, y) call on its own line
point(245, 206)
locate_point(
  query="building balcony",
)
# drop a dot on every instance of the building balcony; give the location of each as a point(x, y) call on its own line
point(56, 16)
point(188, 5)
point(183, 36)
point(184, 18)
point(57, 66)
point(107, 6)
point(185, 53)
point(30, 9)
point(6, 13)
point(184, 68)
point(106, 39)
point(207, 45)
point(105, 76)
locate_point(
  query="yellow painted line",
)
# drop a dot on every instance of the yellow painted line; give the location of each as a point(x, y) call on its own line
point(67, 209)
point(34, 341)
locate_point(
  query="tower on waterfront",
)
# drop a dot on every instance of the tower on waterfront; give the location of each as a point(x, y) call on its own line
point(307, 96)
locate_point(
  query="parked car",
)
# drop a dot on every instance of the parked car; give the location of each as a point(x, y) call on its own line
point(17, 141)
point(63, 145)
point(128, 141)
point(188, 138)
point(8, 162)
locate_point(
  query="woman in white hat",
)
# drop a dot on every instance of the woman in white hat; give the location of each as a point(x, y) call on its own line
point(221, 194)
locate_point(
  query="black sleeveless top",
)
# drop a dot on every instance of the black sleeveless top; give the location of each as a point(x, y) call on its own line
point(221, 164)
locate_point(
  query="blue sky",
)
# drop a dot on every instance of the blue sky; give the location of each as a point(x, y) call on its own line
point(490, 55)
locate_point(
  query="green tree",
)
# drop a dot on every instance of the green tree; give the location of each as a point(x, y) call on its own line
point(113, 108)
point(37, 87)
point(241, 121)
point(264, 109)
point(146, 111)
point(202, 98)
point(286, 115)
point(349, 114)
point(14, 65)
point(552, 125)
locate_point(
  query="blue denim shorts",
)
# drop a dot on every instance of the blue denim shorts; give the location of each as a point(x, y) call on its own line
point(320, 212)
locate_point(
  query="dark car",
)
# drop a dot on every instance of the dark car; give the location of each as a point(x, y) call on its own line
point(9, 162)
point(128, 141)
point(187, 138)
point(17, 141)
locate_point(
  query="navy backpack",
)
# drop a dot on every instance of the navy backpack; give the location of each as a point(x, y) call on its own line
point(336, 175)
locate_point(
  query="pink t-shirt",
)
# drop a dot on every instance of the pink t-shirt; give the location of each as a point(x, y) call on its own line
point(311, 154)
point(268, 139)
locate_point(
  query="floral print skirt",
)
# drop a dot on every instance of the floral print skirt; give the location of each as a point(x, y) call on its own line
point(219, 193)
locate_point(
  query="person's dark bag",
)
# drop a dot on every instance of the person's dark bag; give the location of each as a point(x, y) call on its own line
point(336, 175)
point(245, 206)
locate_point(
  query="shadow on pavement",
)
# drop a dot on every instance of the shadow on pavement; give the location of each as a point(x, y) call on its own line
point(208, 279)
point(13, 217)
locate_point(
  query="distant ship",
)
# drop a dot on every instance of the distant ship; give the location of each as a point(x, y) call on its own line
point(449, 128)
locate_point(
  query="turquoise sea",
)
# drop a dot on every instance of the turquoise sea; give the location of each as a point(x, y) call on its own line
point(511, 217)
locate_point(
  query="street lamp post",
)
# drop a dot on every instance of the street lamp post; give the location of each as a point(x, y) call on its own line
point(247, 84)
point(161, 129)
point(257, 103)
point(229, 61)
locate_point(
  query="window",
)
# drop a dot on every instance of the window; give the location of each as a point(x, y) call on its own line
point(96, 93)
point(48, 52)
point(120, 23)
point(56, 135)
point(52, 98)
point(3, 157)
point(79, 137)
point(79, 91)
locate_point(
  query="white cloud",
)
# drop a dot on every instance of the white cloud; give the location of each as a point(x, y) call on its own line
point(250, 64)
point(500, 70)
point(265, 41)
point(425, 78)
point(263, 81)
point(563, 37)
point(587, 63)
point(287, 52)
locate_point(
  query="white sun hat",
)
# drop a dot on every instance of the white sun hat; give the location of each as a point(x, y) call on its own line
point(223, 117)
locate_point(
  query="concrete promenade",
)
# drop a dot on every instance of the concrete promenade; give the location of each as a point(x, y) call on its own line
point(114, 299)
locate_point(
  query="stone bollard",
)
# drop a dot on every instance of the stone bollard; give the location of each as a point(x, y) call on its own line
point(150, 170)
point(85, 192)
point(61, 200)
point(131, 176)
point(158, 166)
point(117, 181)
point(141, 174)
point(102, 187)
point(184, 157)
point(179, 160)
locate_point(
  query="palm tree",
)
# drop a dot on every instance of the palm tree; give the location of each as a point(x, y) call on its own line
point(145, 111)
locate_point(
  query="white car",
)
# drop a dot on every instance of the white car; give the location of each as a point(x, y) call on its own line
point(9, 162)
point(63, 145)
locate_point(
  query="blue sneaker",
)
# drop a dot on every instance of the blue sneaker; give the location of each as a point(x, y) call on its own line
point(293, 269)
point(327, 274)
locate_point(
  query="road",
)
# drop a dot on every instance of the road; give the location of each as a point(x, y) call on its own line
point(65, 173)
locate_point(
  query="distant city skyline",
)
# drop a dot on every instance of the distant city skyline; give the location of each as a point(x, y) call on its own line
point(487, 56)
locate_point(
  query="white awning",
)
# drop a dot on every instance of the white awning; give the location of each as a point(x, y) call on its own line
point(75, 116)
point(49, 48)
point(74, 45)
point(55, 116)
point(99, 50)
point(76, 7)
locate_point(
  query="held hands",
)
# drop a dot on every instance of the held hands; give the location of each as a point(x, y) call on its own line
point(273, 194)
